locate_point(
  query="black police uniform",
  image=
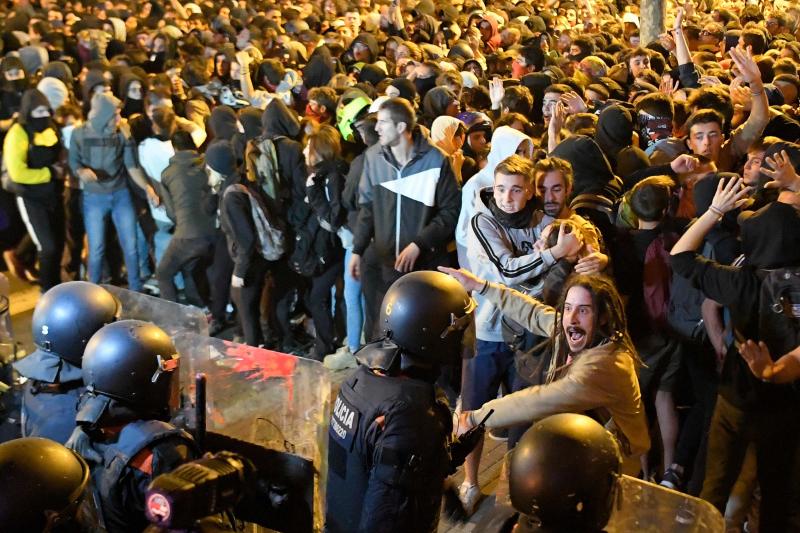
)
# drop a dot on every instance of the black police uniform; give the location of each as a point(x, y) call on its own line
point(140, 452)
point(386, 475)
point(50, 396)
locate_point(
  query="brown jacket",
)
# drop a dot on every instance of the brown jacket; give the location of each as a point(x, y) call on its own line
point(603, 377)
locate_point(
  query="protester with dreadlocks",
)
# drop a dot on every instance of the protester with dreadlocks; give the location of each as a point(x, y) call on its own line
point(592, 361)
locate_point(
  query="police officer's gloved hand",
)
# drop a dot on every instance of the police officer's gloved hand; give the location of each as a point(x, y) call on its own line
point(80, 442)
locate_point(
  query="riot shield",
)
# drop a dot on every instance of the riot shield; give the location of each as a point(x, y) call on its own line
point(644, 507)
point(277, 401)
point(170, 316)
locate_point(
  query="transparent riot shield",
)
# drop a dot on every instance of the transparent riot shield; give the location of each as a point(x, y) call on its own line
point(277, 401)
point(644, 507)
point(170, 316)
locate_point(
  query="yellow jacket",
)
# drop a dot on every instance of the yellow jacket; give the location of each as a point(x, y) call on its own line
point(15, 155)
point(602, 377)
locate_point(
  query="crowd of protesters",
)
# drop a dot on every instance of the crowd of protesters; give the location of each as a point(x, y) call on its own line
point(281, 164)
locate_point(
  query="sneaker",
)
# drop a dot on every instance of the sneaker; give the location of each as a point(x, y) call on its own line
point(150, 286)
point(469, 495)
point(340, 360)
point(673, 478)
point(498, 434)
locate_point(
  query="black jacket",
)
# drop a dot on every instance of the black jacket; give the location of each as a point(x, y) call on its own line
point(236, 219)
point(185, 192)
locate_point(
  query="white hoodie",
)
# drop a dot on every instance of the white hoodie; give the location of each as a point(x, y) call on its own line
point(505, 141)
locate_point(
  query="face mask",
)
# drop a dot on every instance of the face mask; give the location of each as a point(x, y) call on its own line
point(317, 117)
point(517, 70)
point(39, 124)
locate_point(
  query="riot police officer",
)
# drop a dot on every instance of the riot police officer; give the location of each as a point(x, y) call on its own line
point(64, 320)
point(43, 484)
point(564, 477)
point(388, 449)
point(130, 370)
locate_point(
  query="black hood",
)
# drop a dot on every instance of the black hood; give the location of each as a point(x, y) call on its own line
point(436, 102)
point(614, 130)
point(250, 117)
point(592, 171)
point(771, 236)
point(32, 99)
point(320, 68)
point(279, 120)
point(371, 42)
point(222, 123)
point(125, 79)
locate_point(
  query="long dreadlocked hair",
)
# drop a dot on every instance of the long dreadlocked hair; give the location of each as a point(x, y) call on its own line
point(609, 315)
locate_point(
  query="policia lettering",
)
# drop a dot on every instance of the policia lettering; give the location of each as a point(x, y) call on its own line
point(344, 421)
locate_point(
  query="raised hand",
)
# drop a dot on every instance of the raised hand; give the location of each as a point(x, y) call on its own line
point(781, 173)
point(467, 279)
point(729, 195)
point(746, 65)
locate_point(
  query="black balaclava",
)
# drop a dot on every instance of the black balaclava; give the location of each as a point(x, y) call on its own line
point(31, 99)
point(13, 63)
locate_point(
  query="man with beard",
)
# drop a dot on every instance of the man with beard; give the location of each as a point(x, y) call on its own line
point(31, 150)
point(553, 179)
point(593, 365)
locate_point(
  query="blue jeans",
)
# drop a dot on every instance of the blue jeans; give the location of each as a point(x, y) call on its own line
point(482, 375)
point(97, 207)
point(354, 301)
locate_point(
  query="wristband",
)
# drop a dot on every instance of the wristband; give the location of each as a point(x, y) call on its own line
point(716, 211)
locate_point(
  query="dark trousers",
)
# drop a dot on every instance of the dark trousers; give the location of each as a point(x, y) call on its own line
point(73, 218)
point(693, 439)
point(184, 255)
point(776, 433)
point(285, 288)
point(248, 301)
point(376, 278)
point(45, 222)
point(220, 278)
point(320, 304)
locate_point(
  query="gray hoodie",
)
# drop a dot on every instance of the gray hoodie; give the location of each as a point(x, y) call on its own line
point(99, 145)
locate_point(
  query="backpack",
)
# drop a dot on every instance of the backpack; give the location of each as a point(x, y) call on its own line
point(261, 165)
point(656, 279)
point(779, 310)
point(271, 238)
point(685, 316)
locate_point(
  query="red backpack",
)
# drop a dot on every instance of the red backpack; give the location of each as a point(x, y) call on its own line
point(656, 279)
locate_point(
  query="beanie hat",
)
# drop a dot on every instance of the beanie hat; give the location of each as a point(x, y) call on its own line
point(220, 157)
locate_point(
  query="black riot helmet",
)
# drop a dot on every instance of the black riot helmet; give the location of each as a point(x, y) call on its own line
point(134, 362)
point(42, 484)
point(425, 314)
point(68, 315)
point(564, 473)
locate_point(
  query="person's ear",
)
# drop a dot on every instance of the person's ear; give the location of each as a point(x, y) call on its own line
point(401, 127)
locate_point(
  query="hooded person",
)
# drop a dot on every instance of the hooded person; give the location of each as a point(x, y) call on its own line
point(131, 92)
point(225, 125)
point(615, 137)
point(365, 48)
point(250, 118)
point(438, 102)
point(280, 124)
point(320, 68)
point(490, 33)
point(34, 58)
point(506, 141)
point(60, 71)
point(55, 91)
point(13, 82)
point(31, 150)
point(95, 81)
point(449, 135)
point(594, 185)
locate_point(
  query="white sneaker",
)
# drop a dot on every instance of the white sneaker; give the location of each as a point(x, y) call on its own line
point(340, 360)
point(469, 495)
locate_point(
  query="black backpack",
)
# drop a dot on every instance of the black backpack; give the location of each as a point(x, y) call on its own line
point(779, 310)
